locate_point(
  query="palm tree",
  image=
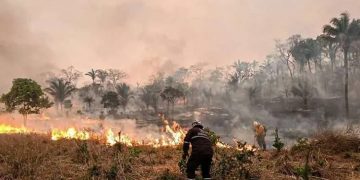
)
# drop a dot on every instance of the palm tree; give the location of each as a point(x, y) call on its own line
point(92, 75)
point(331, 47)
point(124, 93)
point(60, 90)
point(345, 32)
point(304, 51)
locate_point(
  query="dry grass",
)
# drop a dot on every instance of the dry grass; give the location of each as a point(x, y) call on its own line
point(333, 156)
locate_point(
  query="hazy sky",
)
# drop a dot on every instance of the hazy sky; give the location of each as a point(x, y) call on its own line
point(141, 36)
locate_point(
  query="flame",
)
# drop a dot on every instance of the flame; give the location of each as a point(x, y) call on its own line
point(170, 136)
point(6, 129)
point(70, 133)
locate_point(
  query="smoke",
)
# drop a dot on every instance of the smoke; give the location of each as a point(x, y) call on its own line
point(21, 53)
point(42, 35)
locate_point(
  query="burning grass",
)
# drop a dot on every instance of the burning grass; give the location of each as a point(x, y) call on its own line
point(36, 156)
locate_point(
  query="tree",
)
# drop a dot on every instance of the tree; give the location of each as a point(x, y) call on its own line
point(70, 75)
point(170, 95)
point(284, 53)
point(304, 89)
point(89, 100)
point(102, 75)
point(304, 51)
point(145, 97)
point(110, 100)
point(330, 47)
point(92, 75)
point(243, 71)
point(60, 90)
point(115, 75)
point(345, 32)
point(26, 96)
point(124, 93)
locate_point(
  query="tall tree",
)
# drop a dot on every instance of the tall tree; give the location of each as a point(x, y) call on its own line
point(330, 47)
point(110, 100)
point(60, 90)
point(92, 75)
point(170, 95)
point(345, 32)
point(26, 96)
point(70, 75)
point(124, 94)
point(304, 51)
point(102, 75)
point(115, 76)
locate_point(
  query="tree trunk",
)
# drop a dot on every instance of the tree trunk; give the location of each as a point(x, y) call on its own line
point(25, 120)
point(289, 68)
point(347, 110)
point(309, 66)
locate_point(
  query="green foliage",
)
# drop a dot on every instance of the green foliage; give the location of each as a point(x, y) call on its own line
point(301, 145)
point(303, 172)
point(213, 137)
point(277, 142)
point(233, 163)
point(124, 93)
point(110, 100)
point(134, 152)
point(26, 96)
point(182, 165)
point(60, 90)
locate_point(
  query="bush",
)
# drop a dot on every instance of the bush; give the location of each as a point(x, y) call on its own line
point(277, 142)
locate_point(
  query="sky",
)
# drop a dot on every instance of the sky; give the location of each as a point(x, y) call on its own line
point(145, 36)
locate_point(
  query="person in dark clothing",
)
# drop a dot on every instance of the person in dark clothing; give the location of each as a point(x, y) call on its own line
point(201, 153)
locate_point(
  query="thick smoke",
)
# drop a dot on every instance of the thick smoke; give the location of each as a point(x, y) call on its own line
point(36, 36)
point(22, 54)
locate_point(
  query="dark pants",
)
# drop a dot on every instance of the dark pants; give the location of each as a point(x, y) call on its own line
point(193, 163)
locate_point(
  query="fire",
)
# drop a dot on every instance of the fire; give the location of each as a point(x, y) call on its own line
point(6, 129)
point(171, 135)
point(70, 133)
point(112, 139)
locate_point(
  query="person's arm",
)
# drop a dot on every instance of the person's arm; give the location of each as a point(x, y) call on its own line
point(186, 145)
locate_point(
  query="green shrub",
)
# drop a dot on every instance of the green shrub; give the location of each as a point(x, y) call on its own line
point(277, 142)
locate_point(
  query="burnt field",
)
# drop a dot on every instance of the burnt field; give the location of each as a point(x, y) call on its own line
point(327, 155)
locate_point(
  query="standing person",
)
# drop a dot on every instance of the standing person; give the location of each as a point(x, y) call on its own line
point(260, 133)
point(201, 153)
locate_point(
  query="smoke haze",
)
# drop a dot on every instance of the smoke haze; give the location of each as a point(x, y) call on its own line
point(145, 36)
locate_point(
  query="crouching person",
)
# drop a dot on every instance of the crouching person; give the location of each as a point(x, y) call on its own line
point(201, 153)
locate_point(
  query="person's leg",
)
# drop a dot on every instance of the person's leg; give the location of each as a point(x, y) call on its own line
point(264, 143)
point(258, 140)
point(205, 166)
point(192, 164)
